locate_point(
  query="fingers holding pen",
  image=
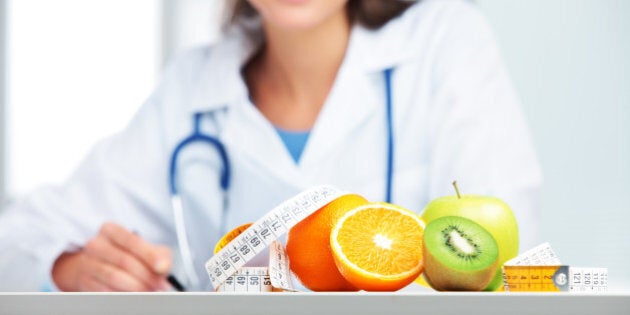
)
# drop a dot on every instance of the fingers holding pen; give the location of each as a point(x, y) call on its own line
point(114, 260)
point(107, 277)
point(119, 269)
point(157, 258)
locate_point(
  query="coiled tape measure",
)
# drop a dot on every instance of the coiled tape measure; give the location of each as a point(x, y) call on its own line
point(540, 269)
point(226, 268)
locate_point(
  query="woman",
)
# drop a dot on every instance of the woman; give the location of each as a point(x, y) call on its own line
point(298, 92)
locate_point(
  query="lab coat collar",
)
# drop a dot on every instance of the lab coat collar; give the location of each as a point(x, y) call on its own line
point(221, 83)
point(387, 47)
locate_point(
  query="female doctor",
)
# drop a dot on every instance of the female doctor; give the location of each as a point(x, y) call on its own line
point(389, 99)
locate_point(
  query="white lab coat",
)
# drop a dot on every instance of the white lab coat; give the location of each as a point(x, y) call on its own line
point(455, 118)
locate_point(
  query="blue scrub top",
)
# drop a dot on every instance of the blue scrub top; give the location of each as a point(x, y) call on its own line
point(294, 141)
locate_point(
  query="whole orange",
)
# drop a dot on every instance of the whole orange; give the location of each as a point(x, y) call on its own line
point(308, 246)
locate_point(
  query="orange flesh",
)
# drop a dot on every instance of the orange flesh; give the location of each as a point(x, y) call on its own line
point(382, 241)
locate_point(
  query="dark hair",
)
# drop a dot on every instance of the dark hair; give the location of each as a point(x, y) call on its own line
point(369, 13)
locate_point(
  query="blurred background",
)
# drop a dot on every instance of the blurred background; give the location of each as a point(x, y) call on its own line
point(75, 71)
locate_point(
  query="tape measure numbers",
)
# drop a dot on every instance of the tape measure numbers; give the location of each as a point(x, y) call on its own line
point(260, 235)
point(248, 279)
point(555, 278)
point(540, 269)
point(275, 277)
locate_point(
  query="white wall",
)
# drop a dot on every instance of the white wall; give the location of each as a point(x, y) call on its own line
point(570, 62)
point(186, 23)
point(76, 72)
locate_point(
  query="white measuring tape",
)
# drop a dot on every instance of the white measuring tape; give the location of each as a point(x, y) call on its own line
point(276, 277)
point(248, 279)
point(540, 255)
point(228, 262)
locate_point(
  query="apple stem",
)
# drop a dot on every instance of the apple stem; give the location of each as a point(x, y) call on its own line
point(457, 189)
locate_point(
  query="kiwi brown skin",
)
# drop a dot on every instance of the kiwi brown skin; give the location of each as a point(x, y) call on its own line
point(445, 278)
point(453, 280)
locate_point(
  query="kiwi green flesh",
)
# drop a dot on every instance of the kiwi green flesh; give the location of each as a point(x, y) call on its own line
point(460, 255)
point(461, 244)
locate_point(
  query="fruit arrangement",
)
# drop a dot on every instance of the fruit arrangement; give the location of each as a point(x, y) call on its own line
point(458, 243)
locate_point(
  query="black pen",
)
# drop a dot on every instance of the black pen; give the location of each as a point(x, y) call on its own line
point(170, 278)
point(175, 284)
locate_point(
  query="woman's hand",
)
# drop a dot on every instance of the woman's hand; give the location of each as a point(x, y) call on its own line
point(114, 260)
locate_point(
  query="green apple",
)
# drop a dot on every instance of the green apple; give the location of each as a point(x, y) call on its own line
point(491, 213)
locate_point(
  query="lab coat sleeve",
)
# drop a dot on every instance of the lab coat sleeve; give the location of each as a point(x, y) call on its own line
point(479, 135)
point(122, 179)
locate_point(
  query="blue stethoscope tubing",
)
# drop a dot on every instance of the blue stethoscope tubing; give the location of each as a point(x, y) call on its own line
point(390, 134)
point(197, 136)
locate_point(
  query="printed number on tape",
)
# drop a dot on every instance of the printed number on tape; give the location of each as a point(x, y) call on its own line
point(276, 277)
point(248, 279)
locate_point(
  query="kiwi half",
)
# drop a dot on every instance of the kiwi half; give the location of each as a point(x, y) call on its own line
point(460, 255)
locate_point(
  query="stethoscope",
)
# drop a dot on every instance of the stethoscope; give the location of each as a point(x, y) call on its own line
point(198, 136)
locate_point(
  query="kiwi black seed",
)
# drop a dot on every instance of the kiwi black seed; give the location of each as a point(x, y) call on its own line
point(460, 255)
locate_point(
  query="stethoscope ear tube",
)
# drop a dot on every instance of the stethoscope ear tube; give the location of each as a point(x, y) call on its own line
point(176, 201)
point(182, 242)
point(198, 136)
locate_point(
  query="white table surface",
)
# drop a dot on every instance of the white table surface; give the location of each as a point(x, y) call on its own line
point(316, 303)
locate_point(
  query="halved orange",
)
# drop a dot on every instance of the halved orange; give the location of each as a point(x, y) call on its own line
point(378, 246)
